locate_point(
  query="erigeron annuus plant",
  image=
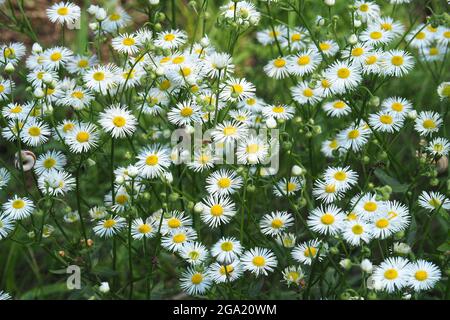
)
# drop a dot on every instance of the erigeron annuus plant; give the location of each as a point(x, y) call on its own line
point(337, 186)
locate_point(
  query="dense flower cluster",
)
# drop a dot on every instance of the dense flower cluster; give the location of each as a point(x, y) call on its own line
point(81, 111)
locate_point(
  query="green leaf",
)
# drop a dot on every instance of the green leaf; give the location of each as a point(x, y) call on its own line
point(392, 182)
point(444, 247)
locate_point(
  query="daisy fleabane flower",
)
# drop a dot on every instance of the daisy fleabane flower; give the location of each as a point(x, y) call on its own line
point(433, 201)
point(226, 250)
point(217, 210)
point(118, 121)
point(102, 78)
point(153, 161)
point(18, 208)
point(223, 182)
point(259, 261)
point(141, 229)
point(392, 274)
point(6, 225)
point(82, 138)
point(64, 13)
point(343, 76)
point(277, 68)
point(427, 123)
point(309, 251)
point(194, 252)
point(109, 227)
point(171, 39)
point(439, 147)
point(275, 223)
point(423, 275)
point(327, 220)
point(126, 43)
point(397, 63)
point(195, 282)
point(342, 178)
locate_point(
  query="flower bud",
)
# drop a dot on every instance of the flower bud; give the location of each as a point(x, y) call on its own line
point(104, 287)
point(198, 208)
point(346, 264)
point(330, 3)
point(100, 15)
point(9, 69)
point(153, 2)
point(271, 123)
point(36, 48)
point(353, 39)
point(297, 171)
point(366, 266)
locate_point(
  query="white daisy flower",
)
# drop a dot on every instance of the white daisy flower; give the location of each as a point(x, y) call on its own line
point(226, 250)
point(175, 241)
point(304, 62)
point(356, 232)
point(397, 105)
point(277, 68)
point(268, 36)
point(237, 90)
point(18, 208)
point(221, 273)
point(433, 200)
point(223, 182)
point(184, 113)
point(171, 39)
point(427, 123)
point(367, 11)
point(64, 13)
point(110, 227)
point(392, 274)
point(275, 223)
point(326, 220)
point(79, 64)
point(116, 20)
point(354, 137)
point(342, 178)
point(5, 88)
point(6, 225)
point(439, 147)
point(329, 47)
point(5, 176)
point(366, 206)
point(217, 210)
point(385, 121)
point(336, 108)
point(343, 76)
point(326, 192)
point(397, 63)
point(56, 57)
point(287, 187)
point(102, 78)
point(294, 275)
point(423, 275)
point(118, 121)
point(259, 261)
point(153, 161)
point(194, 253)
point(141, 229)
point(303, 93)
point(307, 252)
point(175, 220)
point(252, 150)
point(34, 133)
point(56, 182)
point(82, 137)
point(195, 282)
point(376, 36)
point(126, 43)
point(295, 39)
point(279, 111)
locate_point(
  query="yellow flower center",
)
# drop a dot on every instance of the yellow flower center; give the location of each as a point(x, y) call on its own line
point(310, 252)
point(434, 51)
point(391, 274)
point(108, 224)
point(308, 93)
point(333, 144)
point(291, 186)
point(78, 95)
point(397, 60)
point(330, 188)
point(376, 35)
point(325, 83)
point(121, 199)
point(277, 223)
point(357, 229)
point(2, 88)
point(324, 46)
point(145, 228)
point(114, 16)
point(83, 63)
point(224, 182)
point(18, 204)
point(352, 216)
point(128, 42)
point(279, 63)
point(252, 148)
point(228, 131)
point(224, 270)
point(397, 106)
point(178, 60)
point(49, 163)
point(34, 131)
point(356, 52)
point(174, 223)
point(164, 85)
point(339, 105)
point(196, 278)
point(296, 37)
point(63, 11)
point(370, 206)
point(152, 160)
point(216, 210)
point(421, 35)
point(386, 26)
point(386, 119)
point(119, 121)
point(327, 219)
point(435, 202)
point(169, 37)
point(186, 71)
point(227, 246)
point(251, 101)
point(82, 136)
point(8, 52)
point(237, 88)
point(343, 73)
point(186, 112)
point(429, 124)
point(364, 7)
point(438, 147)
point(303, 60)
point(371, 60)
point(353, 134)
point(68, 127)
point(259, 261)
point(340, 176)
point(99, 76)
point(278, 109)
point(179, 238)
point(16, 109)
point(421, 275)
point(382, 223)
